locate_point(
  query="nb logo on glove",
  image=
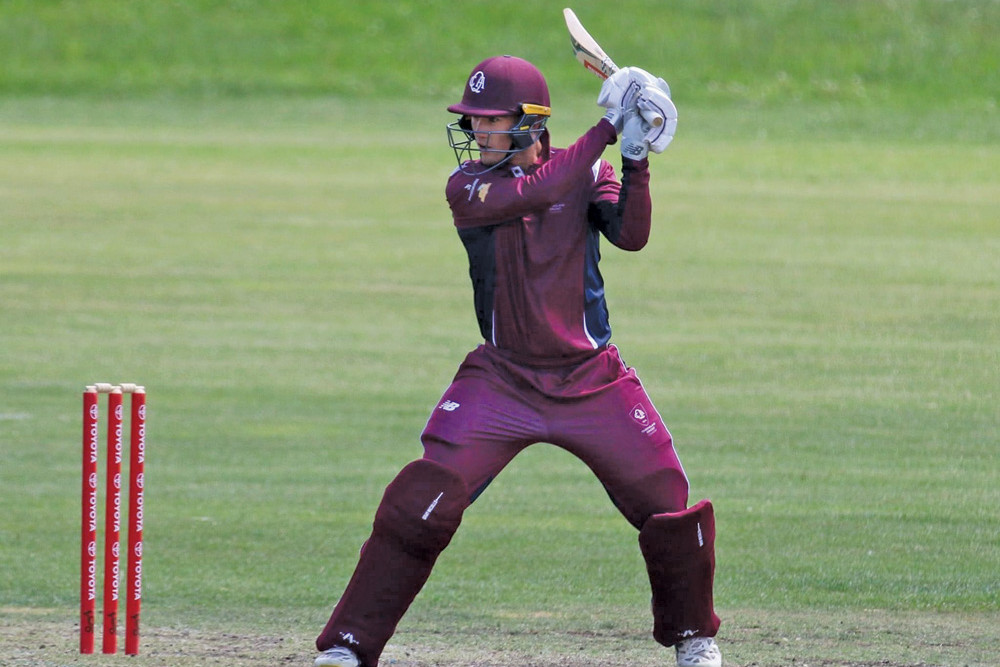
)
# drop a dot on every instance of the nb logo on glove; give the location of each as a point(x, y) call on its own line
point(633, 151)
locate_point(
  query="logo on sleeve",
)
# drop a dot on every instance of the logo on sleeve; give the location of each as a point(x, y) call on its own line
point(477, 189)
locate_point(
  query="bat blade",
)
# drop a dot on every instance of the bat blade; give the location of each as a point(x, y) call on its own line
point(592, 56)
point(586, 49)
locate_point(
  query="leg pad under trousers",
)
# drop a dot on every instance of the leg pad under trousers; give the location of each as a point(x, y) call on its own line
point(419, 513)
point(679, 549)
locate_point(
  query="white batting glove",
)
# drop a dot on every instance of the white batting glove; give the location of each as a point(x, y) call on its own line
point(661, 84)
point(615, 116)
point(621, 89)
point(633, 140)
point(620, 92)
point(642, 78)
point(656, 99)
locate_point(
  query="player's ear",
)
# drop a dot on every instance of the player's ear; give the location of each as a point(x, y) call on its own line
point(466, 124)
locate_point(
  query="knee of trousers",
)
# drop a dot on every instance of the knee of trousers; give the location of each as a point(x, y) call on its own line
point(422, 508)
point(679, 550)
point(665, 490)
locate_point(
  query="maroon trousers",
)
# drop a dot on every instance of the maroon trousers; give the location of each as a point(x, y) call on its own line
point(597, 410)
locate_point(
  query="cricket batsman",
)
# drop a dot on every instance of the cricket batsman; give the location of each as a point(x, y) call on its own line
point(531, 218)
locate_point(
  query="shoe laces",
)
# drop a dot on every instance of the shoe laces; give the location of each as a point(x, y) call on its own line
point(703, 647)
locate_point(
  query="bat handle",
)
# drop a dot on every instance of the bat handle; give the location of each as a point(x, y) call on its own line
point(651, 117)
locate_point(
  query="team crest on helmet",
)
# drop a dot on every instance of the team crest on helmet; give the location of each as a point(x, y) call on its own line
point(477, 82)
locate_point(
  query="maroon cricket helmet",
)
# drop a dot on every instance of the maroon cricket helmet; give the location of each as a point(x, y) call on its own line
point(500, 85)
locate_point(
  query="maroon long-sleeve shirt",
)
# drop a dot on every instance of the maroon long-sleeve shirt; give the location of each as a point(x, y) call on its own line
point(532, 237)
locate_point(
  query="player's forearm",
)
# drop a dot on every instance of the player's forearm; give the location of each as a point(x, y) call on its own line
point(626, 221)
point(507, 198)
point(560, 174)
point(637, 210)
point(581, 154)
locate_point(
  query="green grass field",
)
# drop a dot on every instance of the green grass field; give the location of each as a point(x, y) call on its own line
point(817, 316)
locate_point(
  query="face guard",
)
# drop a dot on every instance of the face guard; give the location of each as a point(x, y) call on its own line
point(525, 132)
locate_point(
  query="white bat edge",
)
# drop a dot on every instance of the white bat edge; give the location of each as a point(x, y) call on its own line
point(592, 56)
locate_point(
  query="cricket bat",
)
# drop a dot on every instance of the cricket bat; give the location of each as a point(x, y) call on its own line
point(593, 57)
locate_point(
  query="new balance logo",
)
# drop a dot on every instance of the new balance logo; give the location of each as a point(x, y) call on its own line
point(449, 406)
point(632, 149)
point(349, 638)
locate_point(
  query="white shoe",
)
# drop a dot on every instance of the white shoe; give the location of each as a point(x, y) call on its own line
point(338, 656)
point(698, 652)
